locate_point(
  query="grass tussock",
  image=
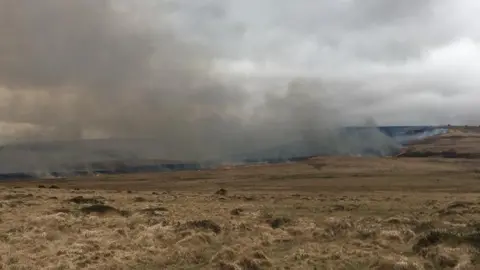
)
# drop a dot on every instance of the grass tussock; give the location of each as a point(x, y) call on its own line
point(83, 200)
point(102, 209)
point(205, 224)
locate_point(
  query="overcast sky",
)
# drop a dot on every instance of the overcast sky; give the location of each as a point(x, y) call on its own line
point(416, 60)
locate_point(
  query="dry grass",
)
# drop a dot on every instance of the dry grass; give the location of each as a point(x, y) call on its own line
point(327, 213)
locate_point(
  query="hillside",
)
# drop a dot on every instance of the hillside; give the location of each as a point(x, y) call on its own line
point(457, 143)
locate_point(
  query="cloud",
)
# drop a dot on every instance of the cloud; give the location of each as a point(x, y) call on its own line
point(404, 61)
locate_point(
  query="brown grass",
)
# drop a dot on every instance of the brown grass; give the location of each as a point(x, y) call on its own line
point(325, 213)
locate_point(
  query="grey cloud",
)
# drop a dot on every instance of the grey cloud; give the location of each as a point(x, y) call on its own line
point(372, 30)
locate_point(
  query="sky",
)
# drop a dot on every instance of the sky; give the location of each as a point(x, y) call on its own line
point(242, 72)
point(416, 61)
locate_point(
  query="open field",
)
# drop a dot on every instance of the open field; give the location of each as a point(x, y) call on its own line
point(324, 213)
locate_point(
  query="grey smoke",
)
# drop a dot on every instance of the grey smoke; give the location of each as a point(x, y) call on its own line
point(113, 69)
point(74, 66)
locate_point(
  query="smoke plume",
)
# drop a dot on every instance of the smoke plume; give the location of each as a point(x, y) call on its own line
point(73, 70)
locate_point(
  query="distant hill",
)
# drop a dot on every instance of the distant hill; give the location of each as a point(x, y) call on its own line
point(461, 142)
